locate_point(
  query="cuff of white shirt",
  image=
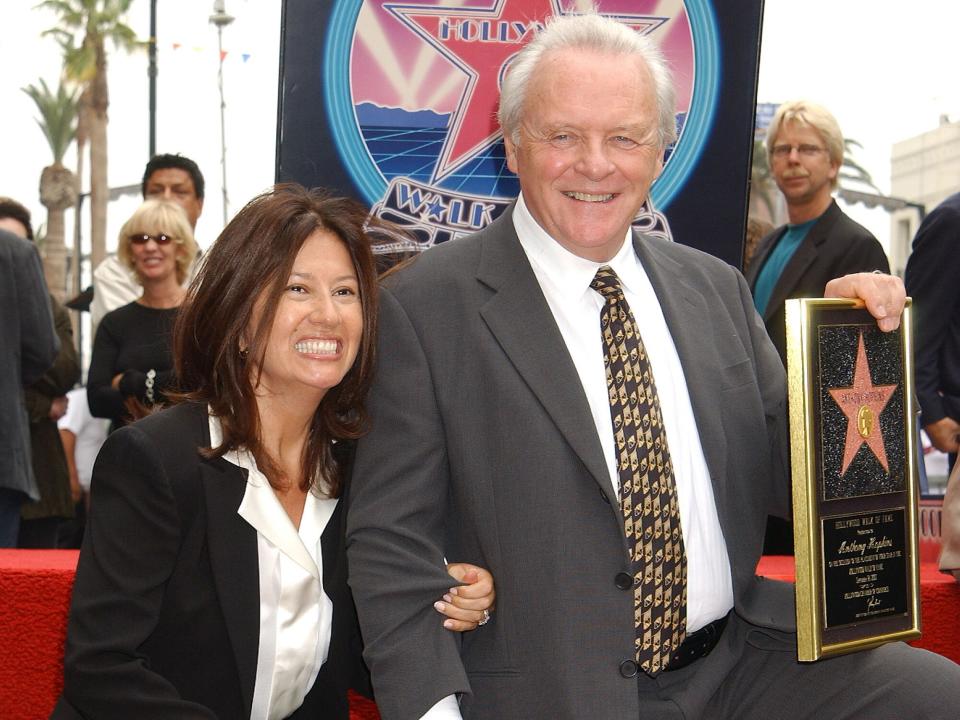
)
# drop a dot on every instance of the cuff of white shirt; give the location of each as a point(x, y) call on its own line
point(447, 709)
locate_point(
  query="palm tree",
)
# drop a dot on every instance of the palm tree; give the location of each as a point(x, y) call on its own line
point(94, 22)
point(58, 186)
point(851, 169)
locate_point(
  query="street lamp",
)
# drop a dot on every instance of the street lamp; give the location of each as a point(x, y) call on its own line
point(152, 74)
point(221, 20)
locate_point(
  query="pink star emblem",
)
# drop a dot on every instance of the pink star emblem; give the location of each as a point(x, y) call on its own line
point(481, 43)
point(862, 403)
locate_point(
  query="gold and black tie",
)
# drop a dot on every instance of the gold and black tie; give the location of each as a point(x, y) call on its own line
point(648, 494)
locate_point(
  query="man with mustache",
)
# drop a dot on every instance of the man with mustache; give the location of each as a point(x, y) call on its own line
point(819, 243)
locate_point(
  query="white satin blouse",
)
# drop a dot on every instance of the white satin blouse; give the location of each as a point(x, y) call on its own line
point(295, 613)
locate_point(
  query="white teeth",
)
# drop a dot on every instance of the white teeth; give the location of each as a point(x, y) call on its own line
point(586, 197)
point(317, 347)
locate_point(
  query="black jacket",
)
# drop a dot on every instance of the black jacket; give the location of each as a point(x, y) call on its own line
point(933, 281)
point(834, 246)
point(165, 616)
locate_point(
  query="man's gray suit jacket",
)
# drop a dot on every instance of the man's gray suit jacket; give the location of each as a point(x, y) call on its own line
point(483, 449)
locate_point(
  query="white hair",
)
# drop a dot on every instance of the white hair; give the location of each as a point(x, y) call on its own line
point(589, 31)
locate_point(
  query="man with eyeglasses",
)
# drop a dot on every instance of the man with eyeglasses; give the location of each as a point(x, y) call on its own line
point(819, 243)
point(166, 177)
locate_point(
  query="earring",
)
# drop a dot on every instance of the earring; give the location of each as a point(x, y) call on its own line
point(244, 352)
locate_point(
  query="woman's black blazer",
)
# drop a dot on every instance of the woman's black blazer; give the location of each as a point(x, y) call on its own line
point(165, 615)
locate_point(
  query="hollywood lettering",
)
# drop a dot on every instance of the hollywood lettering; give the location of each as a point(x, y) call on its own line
point(467, 29)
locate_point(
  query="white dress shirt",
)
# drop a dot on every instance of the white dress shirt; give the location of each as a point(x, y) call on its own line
point(565, 281)
point(295, 613)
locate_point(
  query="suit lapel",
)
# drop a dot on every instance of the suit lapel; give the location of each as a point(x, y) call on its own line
point(688, 314)
point(801, 261)
point(520, 319)
point(233, 558)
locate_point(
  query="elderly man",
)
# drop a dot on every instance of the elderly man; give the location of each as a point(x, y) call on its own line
point(166, 177)
point(797, 260)
point(599, 416)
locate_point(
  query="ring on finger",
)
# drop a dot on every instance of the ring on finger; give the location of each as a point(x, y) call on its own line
point(485, 619)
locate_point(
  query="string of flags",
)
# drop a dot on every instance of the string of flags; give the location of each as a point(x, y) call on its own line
point(245, 56)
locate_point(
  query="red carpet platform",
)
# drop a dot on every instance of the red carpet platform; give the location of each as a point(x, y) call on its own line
point(939, 603)
point(35, 597)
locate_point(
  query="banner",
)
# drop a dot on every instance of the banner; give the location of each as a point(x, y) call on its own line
point(394, 103)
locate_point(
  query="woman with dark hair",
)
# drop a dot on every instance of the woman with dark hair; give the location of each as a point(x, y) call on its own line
point(212, 579)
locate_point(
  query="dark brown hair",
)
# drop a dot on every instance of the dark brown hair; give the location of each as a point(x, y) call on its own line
point(254, 256)
point(10, 208)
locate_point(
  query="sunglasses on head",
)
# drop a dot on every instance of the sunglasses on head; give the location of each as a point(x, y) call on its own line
point(143, 238)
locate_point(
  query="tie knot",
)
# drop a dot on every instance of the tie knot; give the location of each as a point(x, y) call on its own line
point(607, 283)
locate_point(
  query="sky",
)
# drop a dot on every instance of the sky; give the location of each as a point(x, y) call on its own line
point(886, 69)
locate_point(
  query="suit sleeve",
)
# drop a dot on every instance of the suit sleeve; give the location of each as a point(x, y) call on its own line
point(770, 379)
point(129, 552)
point(38, 339)
point(65, 372)
point(932, 281)
point(395, 530)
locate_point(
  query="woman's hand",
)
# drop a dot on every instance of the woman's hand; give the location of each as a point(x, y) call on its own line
point(470, 603)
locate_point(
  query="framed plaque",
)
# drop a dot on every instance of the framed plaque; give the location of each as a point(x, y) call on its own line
point(854, 478)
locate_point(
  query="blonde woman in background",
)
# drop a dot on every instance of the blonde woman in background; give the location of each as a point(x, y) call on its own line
point(131, 366)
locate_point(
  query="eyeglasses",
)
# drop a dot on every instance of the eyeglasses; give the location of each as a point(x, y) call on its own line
point(783, 151)
point(143, 239)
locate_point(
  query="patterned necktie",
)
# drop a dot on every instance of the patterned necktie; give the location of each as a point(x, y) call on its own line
point(648, 494)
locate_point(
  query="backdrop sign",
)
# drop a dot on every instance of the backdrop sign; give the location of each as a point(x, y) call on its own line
point(395, 104)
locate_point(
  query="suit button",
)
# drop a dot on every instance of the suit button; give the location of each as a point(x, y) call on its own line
point(623, 581)
point(628, 669)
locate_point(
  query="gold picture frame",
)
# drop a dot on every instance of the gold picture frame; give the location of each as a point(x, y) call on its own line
point(855, 490)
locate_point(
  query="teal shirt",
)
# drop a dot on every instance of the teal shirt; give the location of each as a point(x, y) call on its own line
point(776, 261)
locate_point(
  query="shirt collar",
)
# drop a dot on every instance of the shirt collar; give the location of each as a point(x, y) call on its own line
point(570, 275)
point(261, 508)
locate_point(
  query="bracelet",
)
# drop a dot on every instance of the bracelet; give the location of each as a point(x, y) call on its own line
point(151, 375)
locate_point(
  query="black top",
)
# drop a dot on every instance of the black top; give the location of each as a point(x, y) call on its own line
point(133, 340)
point(835, 246)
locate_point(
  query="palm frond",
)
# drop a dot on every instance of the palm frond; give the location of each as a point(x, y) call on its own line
point(58, 115)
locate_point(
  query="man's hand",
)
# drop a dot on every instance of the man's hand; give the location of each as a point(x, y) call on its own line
point(944, 434)
point(883, 295)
